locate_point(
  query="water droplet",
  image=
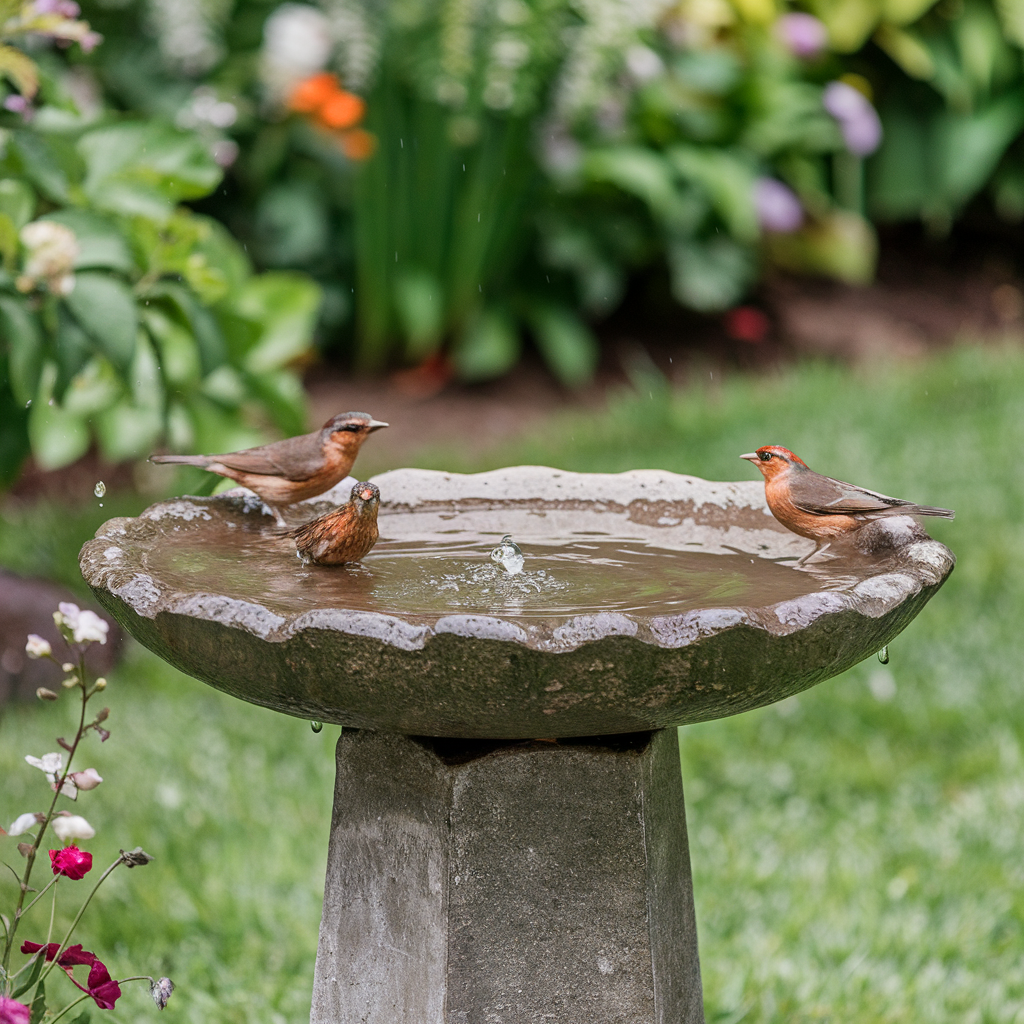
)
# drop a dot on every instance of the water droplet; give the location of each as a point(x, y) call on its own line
point(316, 726)
point(100, 489)
point(883, 655)
point(28, 403)
point(508, 555)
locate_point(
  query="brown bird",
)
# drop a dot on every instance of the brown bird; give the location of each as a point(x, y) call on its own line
point(819, 507)
point(344, 534)
point(296, 468)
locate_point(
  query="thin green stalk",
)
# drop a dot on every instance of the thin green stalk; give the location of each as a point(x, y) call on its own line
point(31, 856)
point(70, 1006)
point(42, 892)
point(78, 917)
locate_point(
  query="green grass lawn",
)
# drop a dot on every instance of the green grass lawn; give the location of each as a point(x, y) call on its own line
point(857, 850)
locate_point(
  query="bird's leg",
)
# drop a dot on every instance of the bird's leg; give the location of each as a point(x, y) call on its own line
point(278, 518)
point(818, 547)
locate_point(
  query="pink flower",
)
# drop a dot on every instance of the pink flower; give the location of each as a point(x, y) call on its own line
point(71, 957)
point(858, 120)
point(13, 1012)
point(802, 34)
point(778, 208)
point(103, 989)
point(71, 862)
point(86, 780)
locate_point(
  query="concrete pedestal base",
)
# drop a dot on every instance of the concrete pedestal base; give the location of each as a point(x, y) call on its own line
point(471, 882)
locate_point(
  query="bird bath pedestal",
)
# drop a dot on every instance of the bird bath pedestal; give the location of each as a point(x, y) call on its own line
point(508, 842)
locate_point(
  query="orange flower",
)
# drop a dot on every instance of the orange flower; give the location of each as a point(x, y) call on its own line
point(341, 110)
point(358, 144)
point(312, 93)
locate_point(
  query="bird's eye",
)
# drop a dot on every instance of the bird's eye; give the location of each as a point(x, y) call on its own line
point(764, 456)
point(353, 427)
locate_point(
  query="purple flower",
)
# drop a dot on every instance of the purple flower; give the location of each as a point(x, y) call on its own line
point(802, 34)
point(17, 104)
point(778, 208)
point(858, 119)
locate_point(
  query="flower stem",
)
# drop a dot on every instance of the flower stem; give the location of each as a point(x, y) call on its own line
point(70, 1006)
point(19, 910)
point(78, 917)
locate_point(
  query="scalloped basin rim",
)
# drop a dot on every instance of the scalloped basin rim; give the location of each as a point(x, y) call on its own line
point(585, 674)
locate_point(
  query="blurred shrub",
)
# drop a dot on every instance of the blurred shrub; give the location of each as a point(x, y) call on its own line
point(124, 317)
point(477, 170)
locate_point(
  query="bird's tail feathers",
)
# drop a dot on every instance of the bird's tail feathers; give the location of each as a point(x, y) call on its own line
point(927, 510)
point(182, 460)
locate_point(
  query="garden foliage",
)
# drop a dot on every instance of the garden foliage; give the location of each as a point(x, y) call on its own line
point(127, 318)
point(530, 155)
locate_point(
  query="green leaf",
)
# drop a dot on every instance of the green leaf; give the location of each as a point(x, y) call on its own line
point(8, 243)
point(201, 323)
point(145, 168)
point(419, 303)
point(17, 200)
point(126, 430)
point(709, 276)
point(20, 69)
point(73, 350)
point(14, 443)
point(282, 395)
point(38, 1009)
point(43, 163)
point(566, 343)
point(727, 180)
point(841, 245)
point(284, 307)
point(24, 342)
point(105, 308)
point(83, 1018)
point(488, 347)
point(58, 436)
point(100, 243)
point(179, 354)
point(644, 174)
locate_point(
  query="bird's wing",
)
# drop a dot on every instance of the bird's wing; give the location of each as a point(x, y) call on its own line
point(294, 458)
point(821, 495)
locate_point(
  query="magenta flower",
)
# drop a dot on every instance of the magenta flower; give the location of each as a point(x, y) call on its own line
point(802, 34)
point(778, 208)
point(71, 862)
point(13, 1012)
point(103, 989)
point(858, 120)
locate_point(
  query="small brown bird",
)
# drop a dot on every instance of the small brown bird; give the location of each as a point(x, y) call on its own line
point(296, 468)
point(344, 534)
point(819, 507)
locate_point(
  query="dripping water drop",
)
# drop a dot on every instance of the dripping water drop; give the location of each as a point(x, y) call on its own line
point(316, 726)
point(100, 489)
point(883, 655)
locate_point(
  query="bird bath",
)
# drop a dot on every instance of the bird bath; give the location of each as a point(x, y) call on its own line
point(479, 871)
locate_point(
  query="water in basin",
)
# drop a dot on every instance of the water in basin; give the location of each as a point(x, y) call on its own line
point(438, 563)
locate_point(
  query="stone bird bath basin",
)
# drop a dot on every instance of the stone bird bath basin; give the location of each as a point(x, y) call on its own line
point(479, 871)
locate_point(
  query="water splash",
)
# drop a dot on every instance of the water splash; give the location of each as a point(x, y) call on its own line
point(883, 655)
point(100, 489)
point(508, 556)
point(317, 726)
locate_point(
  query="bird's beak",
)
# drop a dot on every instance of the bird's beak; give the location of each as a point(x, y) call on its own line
point(750, 457)
point(376, 425)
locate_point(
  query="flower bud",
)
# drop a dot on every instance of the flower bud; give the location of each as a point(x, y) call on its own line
point(100, 684)
point(136, 858)
point(24, 849)
point(37, 647)
point(70, 682)
point(103, 715)
point(67, 667)
point(161, 991)
point(88, 779)
point(44, 694)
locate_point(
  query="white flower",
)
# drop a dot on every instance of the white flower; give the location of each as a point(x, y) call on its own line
point(67, 615)
point(72, 826)
point(49, 763)
point(90, 627)
point(52, 250)
point(37, 647)
point(643, 63)
point(22, 824)
point(297, 42)
point(88, 779)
